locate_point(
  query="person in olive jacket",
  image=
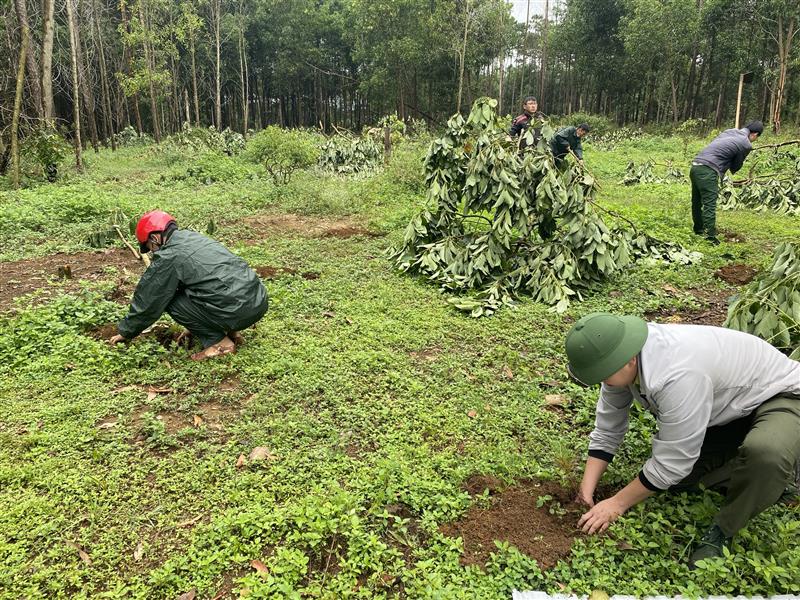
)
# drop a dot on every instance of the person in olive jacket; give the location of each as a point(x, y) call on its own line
point(726, 151)
point(566, 140)
point(198, 282)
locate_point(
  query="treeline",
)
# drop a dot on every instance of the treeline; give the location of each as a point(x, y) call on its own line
point(95, 67)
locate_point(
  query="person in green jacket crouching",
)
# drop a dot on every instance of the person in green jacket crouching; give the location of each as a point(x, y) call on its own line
point(198, 282)
point(727, 405)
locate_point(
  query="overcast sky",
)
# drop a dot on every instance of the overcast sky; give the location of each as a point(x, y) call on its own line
point(521, 6)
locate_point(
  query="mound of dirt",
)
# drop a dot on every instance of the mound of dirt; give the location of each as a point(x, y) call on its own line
point(714, 313)
point(268, 272)
point(736, 274)
point(22, 277)
point(264, 226)
point(543, 533)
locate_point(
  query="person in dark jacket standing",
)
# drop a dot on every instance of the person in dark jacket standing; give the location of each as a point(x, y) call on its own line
point(726, 152)
point(568, 139)
point(198, 282)
point(530, 113)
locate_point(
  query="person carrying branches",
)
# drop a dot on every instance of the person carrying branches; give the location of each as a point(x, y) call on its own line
point(198, 282)
point(521, 124)
point(726, 152)
point(727, 405)
point(568, 140)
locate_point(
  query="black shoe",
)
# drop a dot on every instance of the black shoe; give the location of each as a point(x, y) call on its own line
point(709, 546)
point(712, 240)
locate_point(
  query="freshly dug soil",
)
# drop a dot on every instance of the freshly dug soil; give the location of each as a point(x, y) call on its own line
point(514, 518)
point(736, 274)
point(714, 313)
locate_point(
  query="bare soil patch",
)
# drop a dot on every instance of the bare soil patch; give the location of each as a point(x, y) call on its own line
point(736, 274)
point(714, 312)
point(513, 517)
point(21, 277)
point(265, 226)
point(268, 272)
point(733, 237)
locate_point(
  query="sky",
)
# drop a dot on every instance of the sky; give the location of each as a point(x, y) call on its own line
point(521, 6)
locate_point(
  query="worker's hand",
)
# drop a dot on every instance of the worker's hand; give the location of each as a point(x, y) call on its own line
point(601, 516)
point(117, 339)
point(584, 498)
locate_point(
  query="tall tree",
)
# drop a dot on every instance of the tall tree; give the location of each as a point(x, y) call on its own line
point(76, 104)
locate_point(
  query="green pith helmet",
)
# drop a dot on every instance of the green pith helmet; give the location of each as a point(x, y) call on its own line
point(600, 344)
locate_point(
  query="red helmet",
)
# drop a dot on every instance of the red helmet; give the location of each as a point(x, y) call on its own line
point(154, 221)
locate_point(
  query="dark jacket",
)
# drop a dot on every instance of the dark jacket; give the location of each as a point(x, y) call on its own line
point(726, 151)
point(217, 281)
point(565, 140)
point(521, 123)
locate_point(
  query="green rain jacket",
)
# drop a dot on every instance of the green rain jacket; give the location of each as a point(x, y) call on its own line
point(217, 281)
point(564, 140)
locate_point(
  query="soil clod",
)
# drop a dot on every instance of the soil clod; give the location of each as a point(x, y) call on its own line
point(736, 274)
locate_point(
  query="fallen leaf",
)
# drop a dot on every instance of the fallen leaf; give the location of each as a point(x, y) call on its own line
point(107, 425)
point(159, 390)
point(624, 546)
point(472, 414)
point(197, 420)
point(508, 372)
point(675, 319)
point(487, 407)
point(190, 595)
point(151, 396)
point(191, 521)
point(555, 400)
point(552, 383)
point(561, 586)
point(259, 566)
point(126, 388)
point(670, 289)
point(328, 313)
point(139, 552)
point(261, 453)
point(598, 595)
point(81, 552)
point(242, 462)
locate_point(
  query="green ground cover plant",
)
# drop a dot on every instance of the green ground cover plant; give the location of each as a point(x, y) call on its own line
point(131, 472)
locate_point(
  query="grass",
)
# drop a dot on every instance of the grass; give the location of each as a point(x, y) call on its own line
point(361, 383)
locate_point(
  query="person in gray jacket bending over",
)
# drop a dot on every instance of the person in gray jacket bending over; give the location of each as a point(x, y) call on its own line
point(727, 405)
point(726, 151)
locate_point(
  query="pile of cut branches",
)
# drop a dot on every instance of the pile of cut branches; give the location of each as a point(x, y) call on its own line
point(346, 154)
point(644, 174)
point(501, 221)
point(770, 306)
point(778, 195)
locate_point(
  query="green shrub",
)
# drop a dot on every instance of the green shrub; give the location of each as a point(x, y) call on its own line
point(130, 137)
point(282, 151)
point(201, 139)
point(42, 151)
point(213, 167)
point(598, 124)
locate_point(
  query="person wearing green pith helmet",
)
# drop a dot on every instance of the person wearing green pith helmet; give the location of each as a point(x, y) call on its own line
point(727, 407)
point(726, 151)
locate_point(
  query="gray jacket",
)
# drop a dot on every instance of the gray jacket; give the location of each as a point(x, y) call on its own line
point(726, 152)
point(691, 377)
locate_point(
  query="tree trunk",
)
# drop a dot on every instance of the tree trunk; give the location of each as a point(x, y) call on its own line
point(30, 58)
point(86, 92)
point(194, 81)
point(784, 41)
point(15, 176)
point(150, 67)
point(543, 68)
point(105, 94)
point(462, 57)
point(76, 105)
point(243, 79)
point(48, 10)
point(216, 10)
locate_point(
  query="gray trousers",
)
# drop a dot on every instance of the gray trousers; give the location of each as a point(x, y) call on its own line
point(754, 458)
point(205, 326)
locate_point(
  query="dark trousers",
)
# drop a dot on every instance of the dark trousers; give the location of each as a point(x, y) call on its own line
point(752, 458)
point(203, 325)
point(705, 189)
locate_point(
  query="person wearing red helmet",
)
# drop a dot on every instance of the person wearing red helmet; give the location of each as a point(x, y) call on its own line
point(198, 282)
